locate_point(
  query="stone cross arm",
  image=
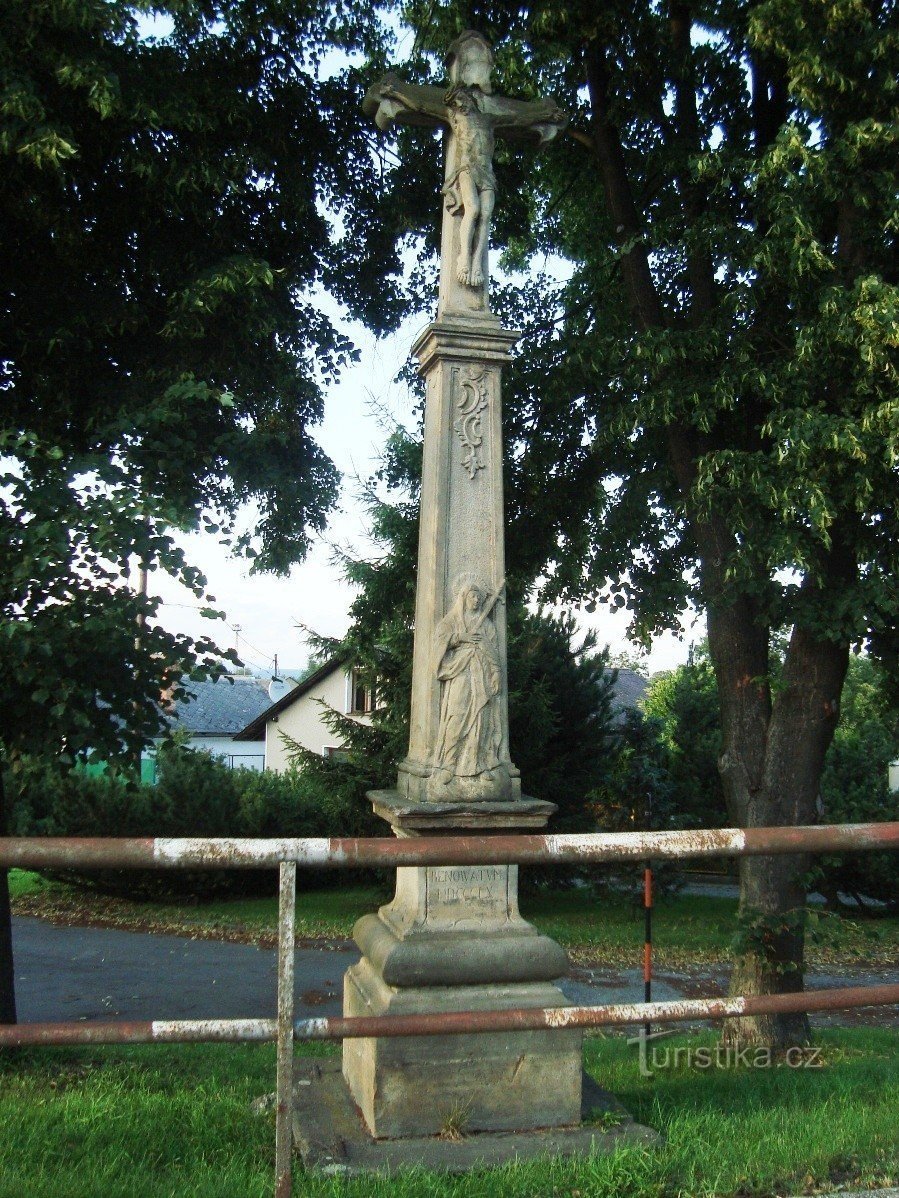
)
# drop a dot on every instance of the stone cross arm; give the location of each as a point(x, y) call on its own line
point(391, 100)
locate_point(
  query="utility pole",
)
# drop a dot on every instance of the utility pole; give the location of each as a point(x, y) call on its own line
point(143, 587)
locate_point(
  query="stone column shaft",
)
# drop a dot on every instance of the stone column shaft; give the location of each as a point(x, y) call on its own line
point(461, 536)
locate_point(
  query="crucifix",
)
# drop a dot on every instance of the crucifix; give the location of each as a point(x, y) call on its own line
point(473, 117)
point(459, 749)
point(453, 938)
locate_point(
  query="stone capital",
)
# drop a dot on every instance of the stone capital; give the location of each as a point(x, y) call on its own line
point(460, 340)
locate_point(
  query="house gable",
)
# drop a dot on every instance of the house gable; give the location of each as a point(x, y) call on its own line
point(302, 715)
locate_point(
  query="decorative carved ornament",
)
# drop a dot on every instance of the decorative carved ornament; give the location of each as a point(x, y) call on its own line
point(474, 398)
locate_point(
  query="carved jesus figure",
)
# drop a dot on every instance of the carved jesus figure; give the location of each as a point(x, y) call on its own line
point(471, 189)
point(474, 116)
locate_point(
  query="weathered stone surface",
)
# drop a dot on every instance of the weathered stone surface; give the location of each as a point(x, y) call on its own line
point(453, 939)
point(414, 1086)
point(432, 959)
point(332, 1137)
point(459, 728)
point(457, 925)
point(408, 817)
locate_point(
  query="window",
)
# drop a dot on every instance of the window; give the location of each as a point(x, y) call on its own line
point(362, 698)
point(336, 752)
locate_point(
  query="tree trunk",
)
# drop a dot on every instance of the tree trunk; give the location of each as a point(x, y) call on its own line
point(7, 977)
point(773, 751)
point(772, 956)
point(771, 763)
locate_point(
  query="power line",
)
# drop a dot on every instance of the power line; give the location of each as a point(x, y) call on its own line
point(237, 629)
point(267, 658)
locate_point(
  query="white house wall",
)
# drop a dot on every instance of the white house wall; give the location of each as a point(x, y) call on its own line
point(250, 754)
point(304, 721)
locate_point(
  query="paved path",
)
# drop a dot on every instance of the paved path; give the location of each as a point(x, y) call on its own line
point(68, 973)
point(717, 887)
point(892, 1193)
point(102, 973)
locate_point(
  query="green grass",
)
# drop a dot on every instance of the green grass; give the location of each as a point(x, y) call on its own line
point(173, 1122)
point(687, 928)
point(24, 884)
point(688, 923)
point(328, 913)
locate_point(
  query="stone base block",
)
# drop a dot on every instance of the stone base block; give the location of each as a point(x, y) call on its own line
point(514, 953)
point(422, 1086)
point(332, 1138)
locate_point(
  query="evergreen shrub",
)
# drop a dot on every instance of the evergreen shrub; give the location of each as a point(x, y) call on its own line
point(194, 795)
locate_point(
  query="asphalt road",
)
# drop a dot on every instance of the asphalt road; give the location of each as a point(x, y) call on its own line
point(69, 973)
point(101, 973)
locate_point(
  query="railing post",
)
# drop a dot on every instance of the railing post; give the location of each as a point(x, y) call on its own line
point(287, 896)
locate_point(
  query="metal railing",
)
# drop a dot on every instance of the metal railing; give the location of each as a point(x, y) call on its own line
point(287, 854)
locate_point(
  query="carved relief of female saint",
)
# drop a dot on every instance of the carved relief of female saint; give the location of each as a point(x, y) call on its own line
point(469, 739)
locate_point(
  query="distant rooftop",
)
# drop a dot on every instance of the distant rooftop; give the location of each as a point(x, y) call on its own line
point(223, 707)
point(630, 687)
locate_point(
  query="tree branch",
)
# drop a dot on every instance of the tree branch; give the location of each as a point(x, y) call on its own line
point(579, 136)
point(769, 100)
point(640, 288)
point(686, 131)
point(639, 284)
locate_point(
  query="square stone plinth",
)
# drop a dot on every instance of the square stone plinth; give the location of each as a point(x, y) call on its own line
point(331, 1136)
point(409, 1086)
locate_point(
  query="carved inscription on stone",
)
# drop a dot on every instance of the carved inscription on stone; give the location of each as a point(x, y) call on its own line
point(482, 884)
point(473, 398)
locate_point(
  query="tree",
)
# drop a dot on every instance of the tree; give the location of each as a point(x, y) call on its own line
point(684, 702)
point(637, 793)
point(854, 781)
point(163, 203)
point(705, 410)
point(854, 785)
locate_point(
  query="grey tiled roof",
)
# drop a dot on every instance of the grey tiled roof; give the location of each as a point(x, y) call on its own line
point(221, 708)
point(630, 688)
point(255, 729)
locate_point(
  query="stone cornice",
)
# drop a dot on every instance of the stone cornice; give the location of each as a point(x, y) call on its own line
point(465, 341)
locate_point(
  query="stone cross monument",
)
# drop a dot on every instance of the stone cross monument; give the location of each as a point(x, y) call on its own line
point(453, 938)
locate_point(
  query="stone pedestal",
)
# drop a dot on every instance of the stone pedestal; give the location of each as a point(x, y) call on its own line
point(332, 1138)
point(452, 939)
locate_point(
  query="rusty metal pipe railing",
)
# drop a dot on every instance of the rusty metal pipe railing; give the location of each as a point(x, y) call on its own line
point(287, 898)
point(140, 1031)
point(336, 1027)
point(286, 854)
point(342, 852)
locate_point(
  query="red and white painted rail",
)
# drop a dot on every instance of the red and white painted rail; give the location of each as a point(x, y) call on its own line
point(336, 852)
point(287, 854)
